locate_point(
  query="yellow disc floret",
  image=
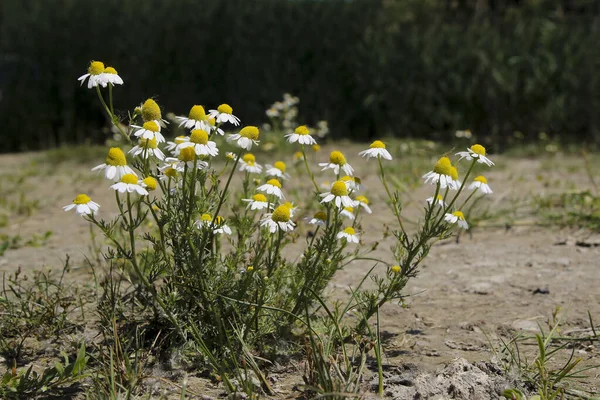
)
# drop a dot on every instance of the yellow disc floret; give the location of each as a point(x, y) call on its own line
point(274, 182)
point(339, 189)
point(96, 68)
point(116, 157)
point(110, 70)
point(170, 172)
point(459, 214)
point(187, 154)
point(225, 109)
point(336, 157)
point(481, 179)
point(259, 197)
point(151, 126)
point(150, 183)
point(249, 157)
point(316, 147)
point(350, 231)
point(288, 205)
point(349, 209)
point(301, 130)
point(197, 113)
point(478, 149)
point(443, 166)
point(151, 111)
point(148, 143)
point(82, 199)
point(362, 199)
point(298, 155)
point(280, 165)
point(249, 132)
point(281, 214)
point(396, 269)
point(206, 217)
point(250, 268)
point(130, 179)
point(199, 136)
point(378, 144)
point(320, 216)
point(454, 173)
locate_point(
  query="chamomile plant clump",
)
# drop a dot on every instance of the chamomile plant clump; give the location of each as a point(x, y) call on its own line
point(205, 231)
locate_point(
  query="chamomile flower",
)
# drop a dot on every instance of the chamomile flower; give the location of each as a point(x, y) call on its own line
point(224, 113)
point(301, 135)
point(277, 170)
point(439, 201)
point(352, 183)
point(248, 163)
point(83, 205)
point(206, 221)
point(257, 202)
point(337, 161)
point(298, 156)
point(172, 146)
point(169, 172)
point(457, 217)
point(147, 148)
point(187, 156)
point(320, 218)
point(94, 74)
point(348, 212)
point(273, 186)
point(129, 183)
point(477, 152)
point(396, 269)
point(115, 165)
point(110, 76)
point(199, 142)
point(212, 126)
point(348, 234)
point(376, 150)
point(442, 173)
point(456, 184)
point(480, 183)
point(291, 207)
point(151, 112)
point(248, 135)
point(364, 203)
point(150, 130)
point(279, 219)
point(149, 183)
point(196, 118)
point(339, 195)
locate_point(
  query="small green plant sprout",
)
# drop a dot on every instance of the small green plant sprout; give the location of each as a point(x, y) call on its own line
point(216, 267)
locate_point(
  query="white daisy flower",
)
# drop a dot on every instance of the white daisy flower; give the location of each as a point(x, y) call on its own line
point(115, 165)
point(277, 170)
point(273, 186)
point(199, 142)
point(83, 205)
point(212, 126)
point(337, 161)
point(172, 146)
point(376, 150)
point(94, 75)
point(150, 130)
point(218, 224)
point(364, 203)
point(439, 201)
point(280, 219)
point(457, 217)
point(248, 163)
point(477, 152)
point(291, 207)
point(149, 183)
point(320, 218)
point(301, 135)
point(349, 234)
point(224, 113)
point(151, 112)
point(129, 183)
point(348, 212)
point(339, 195)
point(147, 148)
point(480, 183)
point(187, 157)
point(352, 183)
point(111, 76)
point(442, 173)
point(257, 202)
point(248, 135)
point(196, 119)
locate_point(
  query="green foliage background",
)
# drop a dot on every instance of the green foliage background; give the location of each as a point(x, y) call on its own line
point(371, 67)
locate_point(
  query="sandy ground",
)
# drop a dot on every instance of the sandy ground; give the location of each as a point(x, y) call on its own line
point(507, 277)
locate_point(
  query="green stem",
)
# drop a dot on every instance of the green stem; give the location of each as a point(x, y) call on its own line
point(312, 177)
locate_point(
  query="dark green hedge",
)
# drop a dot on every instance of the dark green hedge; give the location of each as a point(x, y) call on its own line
point(370, 67)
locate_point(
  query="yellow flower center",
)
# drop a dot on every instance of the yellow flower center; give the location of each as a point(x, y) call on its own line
point(349, 209)
point(478, 149)
point(199, 136)
point(250, 268)
point(225, 109)
point(249, 157)
point(179, 139)
point(151, 126)
point(274, 182)
point(320, 216)
point(148, 143)
point(350, 230)
point(459, 214)
point(197, 113)
point(82, 199)
point(280, 165)
point(206, 217)
point(288, 205)
point(151, 111)
point(212, 121)
point(396, 269)
point(481, 179)
point(378, 144)
point(130, 179)
point(339, 189)
point(443, 166)
point(301, 130)
point(362, 199)
point(259, 197)
point(298, 155)
point(454, 173)
point(110, 70)
point(281, 214)
point(96, 68)
point(171, 172)
point(439, 197)
point(150, 183)
point(187, 154)
point(249, 132)
point(336, 157)
point(116, 157)
point(316, 147)
point(347, 179)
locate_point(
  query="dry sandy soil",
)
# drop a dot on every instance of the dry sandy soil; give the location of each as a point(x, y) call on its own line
point(506, 277)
